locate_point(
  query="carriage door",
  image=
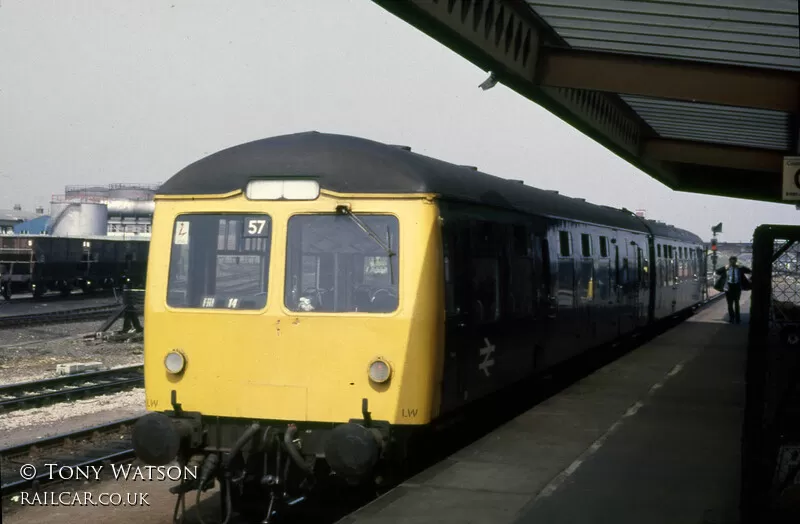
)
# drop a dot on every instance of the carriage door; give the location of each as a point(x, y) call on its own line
point(544, 297)
point(457, 298)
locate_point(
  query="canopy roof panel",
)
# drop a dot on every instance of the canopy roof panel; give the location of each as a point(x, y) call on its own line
point(703, 96)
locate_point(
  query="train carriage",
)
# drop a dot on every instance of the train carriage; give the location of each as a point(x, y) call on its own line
point(318, 299)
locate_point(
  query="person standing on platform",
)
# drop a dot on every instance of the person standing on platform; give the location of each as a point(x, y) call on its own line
point(735, 281)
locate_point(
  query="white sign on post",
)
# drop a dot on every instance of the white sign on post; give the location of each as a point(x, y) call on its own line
point(791, 178)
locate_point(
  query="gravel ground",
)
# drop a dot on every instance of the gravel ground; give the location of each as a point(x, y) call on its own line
point(32, 353)
point(55, 414)
point(70, 419)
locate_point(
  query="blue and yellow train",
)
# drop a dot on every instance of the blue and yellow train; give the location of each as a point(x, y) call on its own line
point(314, 300)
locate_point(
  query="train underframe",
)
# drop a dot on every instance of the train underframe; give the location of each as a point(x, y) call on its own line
point(38, 287)
point(264, 466)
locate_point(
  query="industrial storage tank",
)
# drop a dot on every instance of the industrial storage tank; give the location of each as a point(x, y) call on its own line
point(57, 214)
point(72, 219)
point(131, 208)
point(132, 192)
point(93, 220)
point(93, 193)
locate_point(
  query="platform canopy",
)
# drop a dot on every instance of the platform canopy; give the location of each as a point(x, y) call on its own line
point(702, 95)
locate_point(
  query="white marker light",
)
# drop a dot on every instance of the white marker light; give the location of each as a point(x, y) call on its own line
point(174, 362)
point(379, 371)
point(282, 190)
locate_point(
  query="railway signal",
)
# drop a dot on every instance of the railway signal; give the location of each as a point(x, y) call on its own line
point(714, 230)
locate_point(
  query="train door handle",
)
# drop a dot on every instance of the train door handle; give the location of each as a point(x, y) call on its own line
point(461, 324)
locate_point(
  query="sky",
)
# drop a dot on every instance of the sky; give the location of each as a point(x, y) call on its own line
point(123, 91)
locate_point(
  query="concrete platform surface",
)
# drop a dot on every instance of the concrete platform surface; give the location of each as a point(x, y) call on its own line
point(653, 437)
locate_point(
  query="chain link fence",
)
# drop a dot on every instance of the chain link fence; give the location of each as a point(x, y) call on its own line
point(771, 432)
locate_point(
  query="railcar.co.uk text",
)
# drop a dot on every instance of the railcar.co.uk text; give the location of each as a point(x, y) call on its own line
point(56, 472)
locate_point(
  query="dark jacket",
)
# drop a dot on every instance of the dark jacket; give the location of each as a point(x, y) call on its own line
point(719, 285)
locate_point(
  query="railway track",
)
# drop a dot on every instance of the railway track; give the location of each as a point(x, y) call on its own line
point(98, 445)
point(69, 387)
point(55, 317)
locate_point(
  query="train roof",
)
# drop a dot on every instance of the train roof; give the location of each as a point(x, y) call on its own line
point(347, 164)
point(660, 229)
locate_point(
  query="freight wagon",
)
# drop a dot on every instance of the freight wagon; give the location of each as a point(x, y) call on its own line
point(38, 263)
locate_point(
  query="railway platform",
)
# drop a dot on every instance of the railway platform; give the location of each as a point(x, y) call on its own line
point(651, 437)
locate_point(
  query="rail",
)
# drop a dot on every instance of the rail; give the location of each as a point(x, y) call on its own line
point(62, 316)
point(115, 450)
point(67, 387)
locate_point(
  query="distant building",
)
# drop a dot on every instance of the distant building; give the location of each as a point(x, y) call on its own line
point(36, 226)
point(9, 218)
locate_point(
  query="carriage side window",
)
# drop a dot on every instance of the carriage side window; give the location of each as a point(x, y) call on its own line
point(625, 275)
point(586, 278)
point(684, 266)
point(603, 247)
point(564, 243)
point(641, 266)
point(586, 245)
point(658, 253)
point(334, 266)
point(219, 261)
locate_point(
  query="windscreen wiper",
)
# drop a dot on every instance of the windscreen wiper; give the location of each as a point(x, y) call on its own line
point(345, 210)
